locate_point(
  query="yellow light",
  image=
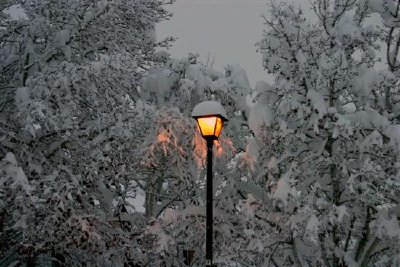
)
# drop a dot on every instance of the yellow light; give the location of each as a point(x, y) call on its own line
point(210, 126)
point(218, 127)
point(207, 125)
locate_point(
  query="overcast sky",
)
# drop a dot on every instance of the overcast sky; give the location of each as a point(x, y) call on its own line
point(226, 29)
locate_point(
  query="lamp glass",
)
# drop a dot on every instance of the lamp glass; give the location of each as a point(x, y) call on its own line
point(218, 127)
point(207, 125)
point(210, 126)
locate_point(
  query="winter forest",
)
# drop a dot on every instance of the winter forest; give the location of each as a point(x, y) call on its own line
point(103, 165)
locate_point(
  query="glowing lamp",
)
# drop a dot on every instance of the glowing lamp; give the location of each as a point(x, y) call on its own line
point(210, 117)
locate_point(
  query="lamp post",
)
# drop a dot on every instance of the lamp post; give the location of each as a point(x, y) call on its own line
point(210, 116)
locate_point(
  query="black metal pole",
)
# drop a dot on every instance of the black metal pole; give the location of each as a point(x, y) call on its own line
point(209, 208)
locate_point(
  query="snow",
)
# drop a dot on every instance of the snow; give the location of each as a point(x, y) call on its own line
point(301, 58)
point(367, 119)
point(159, 83)
point(187, 86)
point(237, 75)
point(260, 115)
point(290, 103)
point(386, 226)
point(16, 173)
point(209, 108)
point(349, 107)
point(197, 74)
point(272, 164)
point(16, 12)
point(221, 84)
point(376, 6)
point(312, 228)
point(255, 245)
point(136, 202)
point(10, 158)
point(21, 223)
point(318, 102)
point(22, 96)
point(170, 215)
point(393, 132)
point(63, 37)
point(252, 153)
point(365, 81)
point(283, 189)
point(162, 55)
point(262, 86)
point(346, 25)
point(341, 212)
point(15, 263)
point(249, 206)
point(375, 138)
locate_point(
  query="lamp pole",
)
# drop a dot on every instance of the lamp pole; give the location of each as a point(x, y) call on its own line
point(209, 211)
point(210, 116)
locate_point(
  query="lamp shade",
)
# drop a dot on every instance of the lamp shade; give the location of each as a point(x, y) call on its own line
point(210, 116)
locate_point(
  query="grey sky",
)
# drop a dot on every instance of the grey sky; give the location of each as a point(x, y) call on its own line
point(226, 29)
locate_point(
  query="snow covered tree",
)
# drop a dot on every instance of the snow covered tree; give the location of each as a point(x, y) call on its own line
point(327, 149)
point(389, 12)
point(70, 122)
point(82, 137)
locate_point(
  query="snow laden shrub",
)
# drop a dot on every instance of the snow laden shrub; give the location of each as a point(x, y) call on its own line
point(172, 170)
point(326, 142)
point(70, 123)
point(183, 83)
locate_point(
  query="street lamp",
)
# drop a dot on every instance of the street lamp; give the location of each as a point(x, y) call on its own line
point(210, 116)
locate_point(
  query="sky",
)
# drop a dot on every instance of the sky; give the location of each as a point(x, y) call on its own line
point(226, 29)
